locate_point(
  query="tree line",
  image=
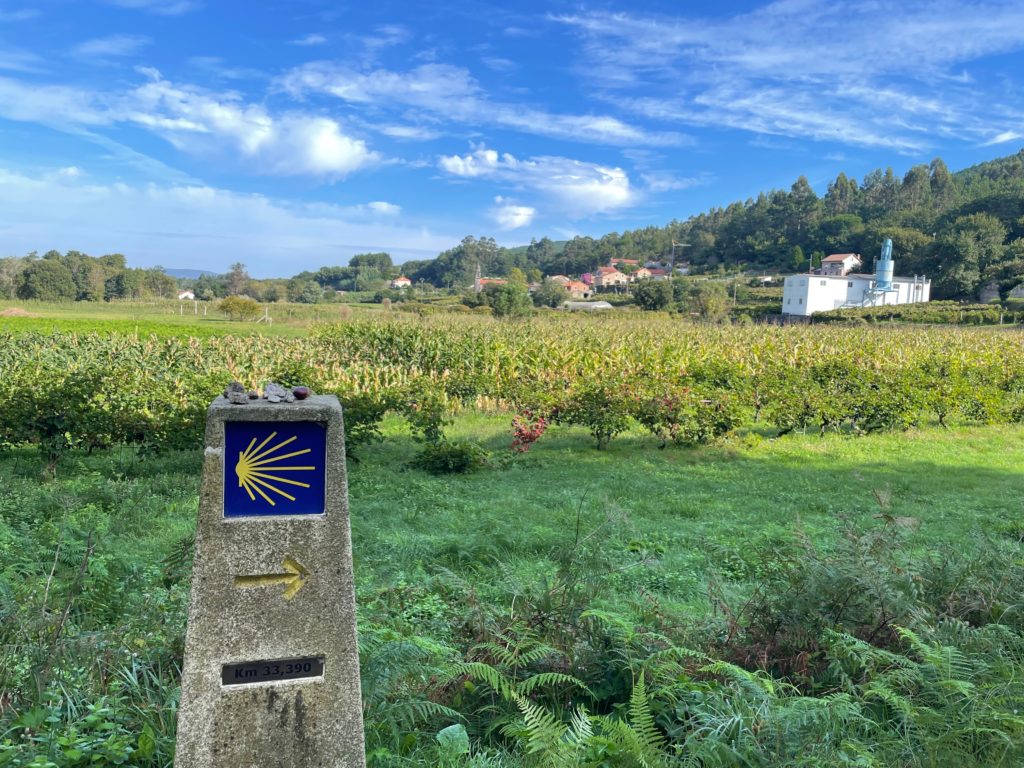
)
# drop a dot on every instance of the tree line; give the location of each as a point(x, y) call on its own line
point(963, 230)
point(75, 276)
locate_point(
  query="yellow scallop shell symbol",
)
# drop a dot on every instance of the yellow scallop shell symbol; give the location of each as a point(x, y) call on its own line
point(257, 468)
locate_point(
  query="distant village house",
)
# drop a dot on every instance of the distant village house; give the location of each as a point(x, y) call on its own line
point(578, 289)
point(839, 264)
point(609, 277)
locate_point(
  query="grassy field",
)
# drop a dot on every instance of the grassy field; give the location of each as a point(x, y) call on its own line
point(671, 536)
point(768, 598)
point(166, 317)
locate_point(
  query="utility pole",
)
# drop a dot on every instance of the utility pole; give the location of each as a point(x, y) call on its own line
point(672, 261)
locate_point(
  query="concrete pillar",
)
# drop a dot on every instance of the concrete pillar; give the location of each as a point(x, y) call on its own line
point(271, 673)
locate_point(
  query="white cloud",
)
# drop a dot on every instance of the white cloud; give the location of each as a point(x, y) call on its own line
point(448, 93)
point(869, 74)
point(196, 225)
point(507, 215)
point(310, 39)
point(481, 162)
point(71, 171)
point(1004, 137)
point(386, 209)
point(575, 188)
point(111, 45)
point(200, 122)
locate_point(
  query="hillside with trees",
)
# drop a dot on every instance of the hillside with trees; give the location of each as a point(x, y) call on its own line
point(964, 230)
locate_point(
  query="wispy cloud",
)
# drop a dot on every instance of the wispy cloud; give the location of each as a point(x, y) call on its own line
point(148, 221)
point(868, 74)
point(576, 189)
point(310, 39)
point(499, 64)
point(22, 14)
point(662, 181)
point(159, 7)
point(19, 60)
point(217, 68)
point(409, 132)
point(450, 94)
point(111, 46)
point(1002, 138)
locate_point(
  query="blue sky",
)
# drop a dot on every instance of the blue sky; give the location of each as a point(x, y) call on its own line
point(289, 135)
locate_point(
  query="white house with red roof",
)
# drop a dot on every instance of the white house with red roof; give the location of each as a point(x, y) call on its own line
point(840, 264)
point(401, 282)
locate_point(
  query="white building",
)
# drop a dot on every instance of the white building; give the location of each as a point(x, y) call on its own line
point(840, 264)
point(807, 294)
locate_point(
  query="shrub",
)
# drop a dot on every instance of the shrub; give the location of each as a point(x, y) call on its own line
point(526, 430)
point(447, 457)
point(602, 407)
point(239, 308)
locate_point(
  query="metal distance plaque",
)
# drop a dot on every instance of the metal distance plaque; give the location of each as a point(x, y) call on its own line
point(272, 671)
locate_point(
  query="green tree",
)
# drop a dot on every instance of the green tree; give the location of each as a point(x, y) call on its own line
point(797, 258)
point(378, 261)
point(653, 294)
point(306, 292)
point(517, 276)
point(511, 300)
point(915, 191)
point(943, 188)
point(11, 276)
point(708, 299)
point(550, 294)
point(47, 280)
point(237, 279)
point(208, 287)
point(972, 246)
point(841, 196)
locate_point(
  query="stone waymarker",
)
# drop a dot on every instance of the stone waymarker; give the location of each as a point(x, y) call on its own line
point(271, 674)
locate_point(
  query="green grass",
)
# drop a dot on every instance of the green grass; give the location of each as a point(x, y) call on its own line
point(662, 524)
point(165, 317)
point(696, 505)
point(702, 507)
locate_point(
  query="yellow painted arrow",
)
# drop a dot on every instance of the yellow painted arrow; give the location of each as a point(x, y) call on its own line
point(294, 578)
